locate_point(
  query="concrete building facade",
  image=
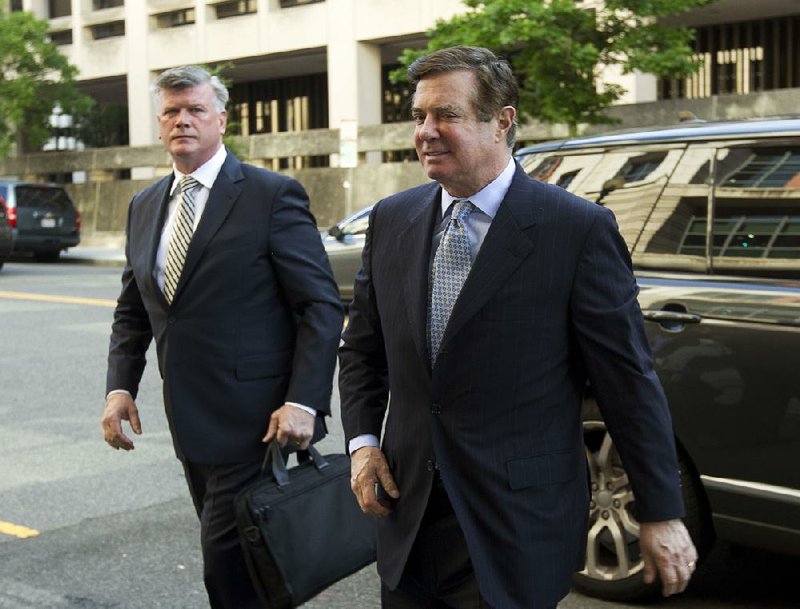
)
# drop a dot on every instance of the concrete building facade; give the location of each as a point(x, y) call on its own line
point(306, 64)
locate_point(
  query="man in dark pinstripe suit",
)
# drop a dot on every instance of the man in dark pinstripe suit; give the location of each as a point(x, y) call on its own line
point(482, 459)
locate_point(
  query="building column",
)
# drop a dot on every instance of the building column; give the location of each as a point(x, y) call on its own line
point(354, 72)
point(142, 129)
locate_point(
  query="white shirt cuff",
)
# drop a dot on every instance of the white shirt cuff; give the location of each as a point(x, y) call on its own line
point(113, 391)
point(308, 409)
point(362, 441)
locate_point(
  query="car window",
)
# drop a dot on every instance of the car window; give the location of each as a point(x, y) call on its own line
point(674, 235)
point(3, 192)
point(357, 225)
point(630, 182)
point(756, 222)
point(42, 197)
point(565, 170)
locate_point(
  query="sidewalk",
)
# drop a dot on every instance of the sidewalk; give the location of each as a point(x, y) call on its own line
point(100, 255)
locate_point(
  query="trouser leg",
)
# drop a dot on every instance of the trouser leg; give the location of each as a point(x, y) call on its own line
point(225, 574)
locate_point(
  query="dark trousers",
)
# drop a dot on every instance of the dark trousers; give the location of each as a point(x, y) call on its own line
point(213, 488)
point(439, 573)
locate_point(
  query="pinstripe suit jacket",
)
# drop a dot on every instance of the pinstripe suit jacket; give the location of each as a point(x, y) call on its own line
point(550, 303)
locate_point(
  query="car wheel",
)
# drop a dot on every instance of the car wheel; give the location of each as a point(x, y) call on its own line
point(614, 568)
point(48, 256)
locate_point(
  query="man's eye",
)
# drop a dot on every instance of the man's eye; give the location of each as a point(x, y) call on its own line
point(418, 118)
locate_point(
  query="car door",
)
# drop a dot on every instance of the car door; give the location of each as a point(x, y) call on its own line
point(720, 257)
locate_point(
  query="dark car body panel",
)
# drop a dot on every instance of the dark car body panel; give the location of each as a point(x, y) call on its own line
point(47, 221)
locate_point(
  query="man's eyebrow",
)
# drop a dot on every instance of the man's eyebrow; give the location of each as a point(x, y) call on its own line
point(440, 109)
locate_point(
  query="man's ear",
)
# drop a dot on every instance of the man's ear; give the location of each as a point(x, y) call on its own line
point(505, 120)
point(223, 122)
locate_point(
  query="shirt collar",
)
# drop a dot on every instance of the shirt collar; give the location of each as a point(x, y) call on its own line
point(487, 199)
point(206, 174)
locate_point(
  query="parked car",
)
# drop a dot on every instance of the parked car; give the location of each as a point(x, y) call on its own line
point(343, 242)
point(711, 215)
point(6, 234)
point(43, 218)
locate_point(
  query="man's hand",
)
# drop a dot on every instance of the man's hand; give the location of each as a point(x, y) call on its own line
point(667, 550)
point(368, 469)
point(120, 407)
point(290, 424)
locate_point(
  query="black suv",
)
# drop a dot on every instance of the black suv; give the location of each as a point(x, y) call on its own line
point(43, 218)
point(711, 214)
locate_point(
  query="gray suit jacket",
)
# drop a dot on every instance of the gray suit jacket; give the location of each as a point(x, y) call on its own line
point(550, 303)
point(255, 320)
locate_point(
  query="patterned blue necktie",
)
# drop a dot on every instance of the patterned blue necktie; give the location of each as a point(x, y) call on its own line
point(450, 268)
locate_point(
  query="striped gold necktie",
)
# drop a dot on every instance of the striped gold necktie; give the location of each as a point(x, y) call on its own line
point(182, 231)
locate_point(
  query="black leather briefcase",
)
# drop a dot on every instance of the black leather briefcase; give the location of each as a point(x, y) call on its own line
point(301, 528)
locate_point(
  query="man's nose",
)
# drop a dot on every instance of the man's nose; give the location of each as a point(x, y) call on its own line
point(428, 130)
point(183, 116)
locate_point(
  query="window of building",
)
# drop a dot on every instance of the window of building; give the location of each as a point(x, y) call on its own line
point(62, 37)
point(99, 5)
point(288, 3)
point(235, 8)
point(175, 18)
point(296, 103)
point(108, 30)
point(59, 8)
point(741, 57)
point(16, 6)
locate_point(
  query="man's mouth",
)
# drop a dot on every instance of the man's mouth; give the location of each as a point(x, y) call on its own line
point(433, 153)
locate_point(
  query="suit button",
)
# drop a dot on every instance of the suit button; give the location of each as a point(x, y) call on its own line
point(436, 409)
point(431, 466)
point(171, 320)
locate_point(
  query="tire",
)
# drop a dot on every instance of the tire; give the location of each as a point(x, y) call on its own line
point(614, 569)
point(47, 255)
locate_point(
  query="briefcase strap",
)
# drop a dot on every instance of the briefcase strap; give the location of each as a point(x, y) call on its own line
point(276, 462)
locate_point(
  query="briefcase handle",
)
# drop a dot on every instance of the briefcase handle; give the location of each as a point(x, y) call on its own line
point(275, 460)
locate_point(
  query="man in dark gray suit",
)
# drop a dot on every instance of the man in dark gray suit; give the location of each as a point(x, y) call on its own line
point(485, 302)
point(225, 269)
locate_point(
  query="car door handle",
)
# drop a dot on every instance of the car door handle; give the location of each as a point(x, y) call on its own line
point(671, 319)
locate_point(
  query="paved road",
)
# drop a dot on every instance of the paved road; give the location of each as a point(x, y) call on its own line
point(117, 529)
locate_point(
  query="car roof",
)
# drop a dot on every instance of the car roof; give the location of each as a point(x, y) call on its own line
point(694, 130)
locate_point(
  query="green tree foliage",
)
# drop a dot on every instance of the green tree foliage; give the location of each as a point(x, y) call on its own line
point(34, 75)
point(558, 48)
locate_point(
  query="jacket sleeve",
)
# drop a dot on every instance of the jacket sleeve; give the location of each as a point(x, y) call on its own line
point(307, 284)
point(130, 331)
point(363, 368)
point(610, 332)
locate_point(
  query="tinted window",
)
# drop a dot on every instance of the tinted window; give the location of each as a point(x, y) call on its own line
point(3, 191)
point(39, 197)
point(767, 168)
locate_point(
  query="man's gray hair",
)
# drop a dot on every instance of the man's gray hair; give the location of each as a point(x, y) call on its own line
point(186, 77)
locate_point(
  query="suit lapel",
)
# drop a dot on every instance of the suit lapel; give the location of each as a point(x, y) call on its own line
point(415, 244)
point(508, 242)
point(220, 202)
point(156, 207)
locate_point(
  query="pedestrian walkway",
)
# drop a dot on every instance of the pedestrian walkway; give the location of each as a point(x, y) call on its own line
point(107, 256)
